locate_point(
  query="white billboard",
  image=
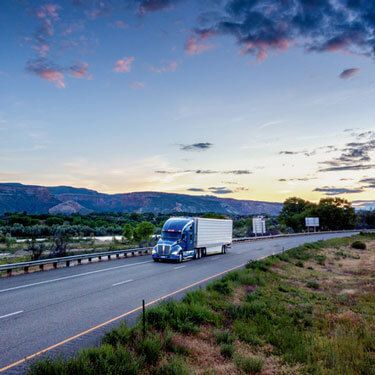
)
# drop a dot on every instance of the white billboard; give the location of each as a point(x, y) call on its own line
point(312, 221)
point(259, 225)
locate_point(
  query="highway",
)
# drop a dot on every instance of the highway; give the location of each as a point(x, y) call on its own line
point(58, 312)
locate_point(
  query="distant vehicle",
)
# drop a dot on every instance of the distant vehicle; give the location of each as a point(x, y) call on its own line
point(192, 238)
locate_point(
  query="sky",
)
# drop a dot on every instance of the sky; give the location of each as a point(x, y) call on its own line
point(255, 99)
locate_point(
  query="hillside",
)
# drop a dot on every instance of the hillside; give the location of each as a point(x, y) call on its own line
point(16, 197)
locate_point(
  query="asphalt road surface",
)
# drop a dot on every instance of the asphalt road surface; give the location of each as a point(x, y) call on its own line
point(55, 313)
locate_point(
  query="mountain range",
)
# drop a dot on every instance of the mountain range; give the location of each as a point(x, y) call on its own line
point(33, 199)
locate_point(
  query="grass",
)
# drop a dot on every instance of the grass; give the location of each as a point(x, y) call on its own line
point(274, 316)
point(250, 365)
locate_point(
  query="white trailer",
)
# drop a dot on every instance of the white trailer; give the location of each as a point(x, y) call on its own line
point(213, 235)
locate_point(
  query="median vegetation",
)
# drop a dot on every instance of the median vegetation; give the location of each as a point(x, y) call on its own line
point(310, 310)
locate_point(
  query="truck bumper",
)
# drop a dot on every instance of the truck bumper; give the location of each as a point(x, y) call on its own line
point(165, 257)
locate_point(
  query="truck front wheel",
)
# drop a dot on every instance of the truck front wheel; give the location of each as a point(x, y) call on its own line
point(180, 258)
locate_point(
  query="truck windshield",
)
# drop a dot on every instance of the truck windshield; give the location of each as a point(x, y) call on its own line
point(170, 235)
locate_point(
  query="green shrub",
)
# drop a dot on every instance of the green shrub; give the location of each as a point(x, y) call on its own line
point(173, 347)
point(227, 350)
point(181, 316)
point(247, 332)
point(105, 360)
point(175, 366)
point(358, 245)
point(260, 265)
point(150, 348)
point(312, 284)
point(49, 367)
point(120, 335)
point(321, 259)
point(250, 365)
point(224, 337)
point(222, 287)
point(251, 279)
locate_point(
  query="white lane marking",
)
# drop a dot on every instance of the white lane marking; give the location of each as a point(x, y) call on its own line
point(11, 314)
point(72, 276)
point(177, 268)
point(123, 282)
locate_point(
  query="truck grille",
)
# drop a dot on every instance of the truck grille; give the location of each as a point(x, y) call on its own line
point(164, 249)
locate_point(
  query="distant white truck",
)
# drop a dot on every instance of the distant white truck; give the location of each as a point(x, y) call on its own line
point(192, 238)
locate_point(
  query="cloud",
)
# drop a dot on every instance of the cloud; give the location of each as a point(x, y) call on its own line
point(147, 6)
point(124, 65)
point(352, 157)
point(306, 153)
point(370, 182)
point(48, 11)
point(119, 24)
point(238, 171)
point(220, 190)
point(165, 68)
point(297, 179)
point(205, 171)
point(349, 73)
point(48, 71)
point(136, 85)
point(264, 26)
point(196, 44)
point(355, 167)
point(80, 70)
point(200, 146)
point(337, 191)
point(196, 189)
point(364, 204)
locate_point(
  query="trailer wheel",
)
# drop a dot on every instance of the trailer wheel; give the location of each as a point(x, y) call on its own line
point(204, 252)
point(198, 254)
point(223, 249)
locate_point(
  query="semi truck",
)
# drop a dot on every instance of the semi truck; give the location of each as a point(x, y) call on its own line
point(185, 238)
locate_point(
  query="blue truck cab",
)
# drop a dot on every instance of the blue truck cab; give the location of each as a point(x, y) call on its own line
point(176, 241)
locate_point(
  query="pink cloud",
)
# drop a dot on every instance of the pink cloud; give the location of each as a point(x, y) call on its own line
point(80, 70)
point(349, 73)
point(48, 71)
point(195, 45)
point(136, 85)
point(261, 48)
point(120, 24)
point(165, 68)
point(54, 76)
point(48, 11)
point(42, 49)
point(124, 65)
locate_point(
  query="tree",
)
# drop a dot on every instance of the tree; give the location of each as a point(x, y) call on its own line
point(60, 245)
point(128, 232)
point(143, 231)
point(294, 212)
point(336, 213)
point(9, 241)
point(35, 249)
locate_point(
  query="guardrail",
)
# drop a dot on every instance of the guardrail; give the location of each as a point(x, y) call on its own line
point(117, 253)
point(71, 258)
point(254, 238)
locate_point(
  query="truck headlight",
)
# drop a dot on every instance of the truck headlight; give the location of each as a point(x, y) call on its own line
point(176, 250)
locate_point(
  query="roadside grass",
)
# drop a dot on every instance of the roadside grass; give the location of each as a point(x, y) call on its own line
point(274, 316)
